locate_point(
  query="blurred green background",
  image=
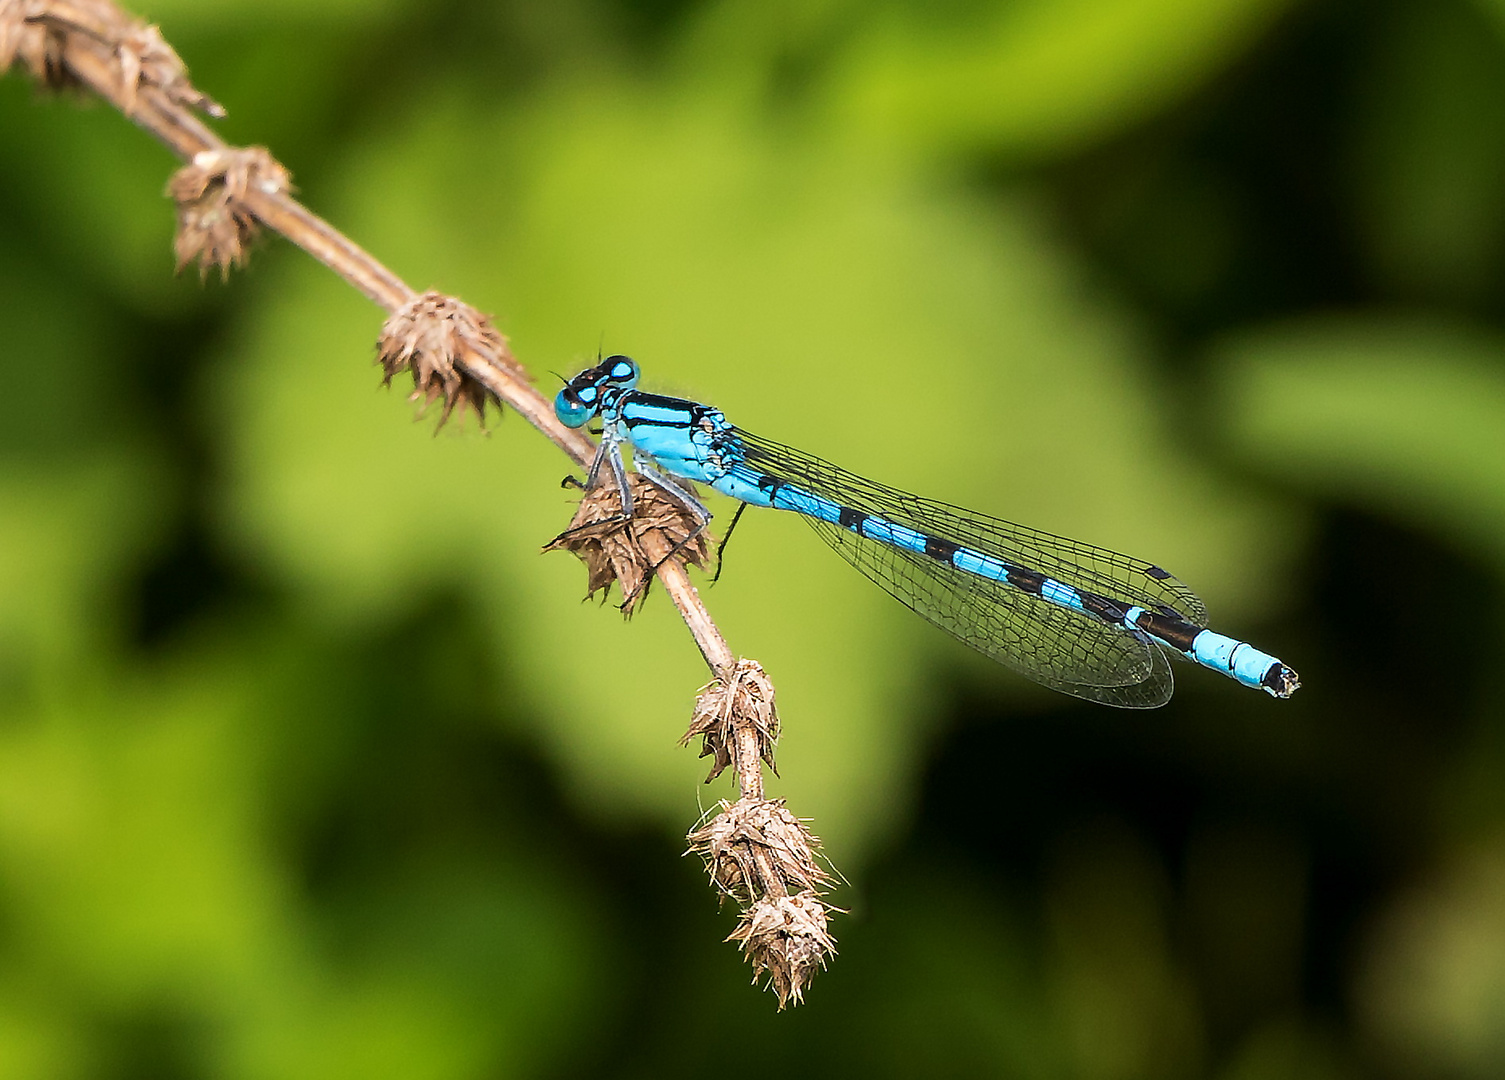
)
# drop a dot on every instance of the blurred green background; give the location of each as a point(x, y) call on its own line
point(311, 766)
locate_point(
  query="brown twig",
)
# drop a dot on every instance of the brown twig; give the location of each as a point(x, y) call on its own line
point(126, 62)
point(755, 849)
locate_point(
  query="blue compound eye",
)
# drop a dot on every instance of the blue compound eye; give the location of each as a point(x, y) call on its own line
point(622, 371)
point(572, 412)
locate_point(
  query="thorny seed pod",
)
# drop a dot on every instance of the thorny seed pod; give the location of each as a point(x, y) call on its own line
point(760, 854)
point(725, 709)
point(757, 847)
point(147, 60)
point(38, 42)
point(41, 32)
point(786, 937)
point(429, 336)
point(214, 225)
point(627, 552)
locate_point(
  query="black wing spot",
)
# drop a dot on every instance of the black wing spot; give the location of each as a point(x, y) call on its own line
point(1157, 573)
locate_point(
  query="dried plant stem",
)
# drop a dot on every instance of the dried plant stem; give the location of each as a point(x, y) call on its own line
point(749, 768)
point(91, 35)
point(755, 849)
point(676, 579)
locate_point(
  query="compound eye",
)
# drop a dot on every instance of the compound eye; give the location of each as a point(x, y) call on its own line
point(621, 370)
point(571, 410)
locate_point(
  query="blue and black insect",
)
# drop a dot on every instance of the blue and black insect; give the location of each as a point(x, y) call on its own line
point(1077, 618)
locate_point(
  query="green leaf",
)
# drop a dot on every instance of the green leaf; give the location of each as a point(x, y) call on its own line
point(1040, 78)
point(1403, 415)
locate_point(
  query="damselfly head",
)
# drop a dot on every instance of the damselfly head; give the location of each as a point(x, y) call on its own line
point(585, 394)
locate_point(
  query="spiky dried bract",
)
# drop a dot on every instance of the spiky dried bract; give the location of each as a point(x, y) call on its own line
point(147, 60)
point(724, 708)
point(755, 848)
point(214, 225)
point(628, 552)
point(428, 336)
point(27, 35)
point(786, 937)
point(37, 31)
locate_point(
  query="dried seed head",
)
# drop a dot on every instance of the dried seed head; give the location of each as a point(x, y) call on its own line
point(724, 710)
point(214, 225)
point(147, 60)
point(762, 855)
point(786, 937)
point(27, 35)
point(429, 336)
point(38, 32)
point(756, 848)
point(627, 552)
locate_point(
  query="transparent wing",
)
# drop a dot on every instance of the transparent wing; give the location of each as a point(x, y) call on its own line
point(1060, 648)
